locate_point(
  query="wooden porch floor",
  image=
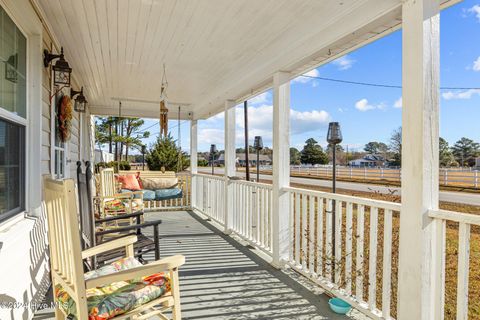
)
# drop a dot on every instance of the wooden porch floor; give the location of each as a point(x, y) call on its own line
point(225, 279)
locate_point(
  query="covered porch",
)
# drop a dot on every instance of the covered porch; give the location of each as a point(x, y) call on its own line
point(254, 250)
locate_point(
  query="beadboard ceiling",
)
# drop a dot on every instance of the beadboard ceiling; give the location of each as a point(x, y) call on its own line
point(213, 50)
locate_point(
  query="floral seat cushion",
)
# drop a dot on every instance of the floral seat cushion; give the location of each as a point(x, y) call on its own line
point(117, 298)
point(117, 206)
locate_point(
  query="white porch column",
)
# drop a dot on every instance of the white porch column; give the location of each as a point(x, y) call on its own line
point(281, 167)
point(193, 161)
point(418, 296)
point(229, 162)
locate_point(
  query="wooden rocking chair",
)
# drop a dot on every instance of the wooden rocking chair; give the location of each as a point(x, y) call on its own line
point(90, 235)
point(130, 202)
point(80, 295)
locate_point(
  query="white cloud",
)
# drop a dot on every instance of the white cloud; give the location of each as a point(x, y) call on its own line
point(476, 11)
point(363, 105)
point(398, 103)
point(466, 94)
point(343, 63)
point(306, 79)
point(260, 120)
point(476, 64)
point(211, 136)
point(260, 99)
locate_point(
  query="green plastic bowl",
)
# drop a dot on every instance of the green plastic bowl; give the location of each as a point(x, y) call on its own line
point(339, 306)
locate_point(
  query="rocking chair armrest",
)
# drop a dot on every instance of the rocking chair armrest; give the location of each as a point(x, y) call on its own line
point(119, 217)
point(163, 265)
point(129, 228)
point(125, 195)
point(110, 245)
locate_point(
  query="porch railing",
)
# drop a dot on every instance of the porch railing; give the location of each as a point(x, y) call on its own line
point(209, 197)
point(357, 260)
point(464, 222)
point(354, 259)
point(252, 214)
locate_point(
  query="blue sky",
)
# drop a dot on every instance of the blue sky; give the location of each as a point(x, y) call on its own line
point(367, 113)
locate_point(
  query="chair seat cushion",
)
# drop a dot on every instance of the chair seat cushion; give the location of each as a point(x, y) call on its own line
point(120, 206)
point(117, 298)
point(167, 194)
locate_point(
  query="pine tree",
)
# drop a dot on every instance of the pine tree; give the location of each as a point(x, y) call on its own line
point(312, 153)
point(165, 153)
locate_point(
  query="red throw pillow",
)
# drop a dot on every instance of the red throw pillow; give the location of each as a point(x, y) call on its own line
point(129, 182)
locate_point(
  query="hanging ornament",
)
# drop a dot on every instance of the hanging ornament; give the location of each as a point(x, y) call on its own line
point(164, 105)
point(64, 118)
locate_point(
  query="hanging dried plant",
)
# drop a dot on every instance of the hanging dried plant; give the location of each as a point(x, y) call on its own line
point(64, 118)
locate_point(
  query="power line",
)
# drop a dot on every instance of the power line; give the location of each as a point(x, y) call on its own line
point(381, 85)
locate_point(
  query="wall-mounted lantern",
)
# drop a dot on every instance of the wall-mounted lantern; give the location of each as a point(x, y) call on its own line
point(61, 69)
point(80, 101)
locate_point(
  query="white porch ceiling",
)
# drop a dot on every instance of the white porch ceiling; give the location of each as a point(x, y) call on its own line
point(213, 50)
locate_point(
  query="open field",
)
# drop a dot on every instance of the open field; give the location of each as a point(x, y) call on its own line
point(449, 179)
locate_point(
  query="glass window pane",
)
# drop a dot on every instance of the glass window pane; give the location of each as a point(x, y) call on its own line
point(12, 168)
point(13, 66)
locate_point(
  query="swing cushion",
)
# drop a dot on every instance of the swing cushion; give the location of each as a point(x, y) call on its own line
point(117, 298)
point(167, 194)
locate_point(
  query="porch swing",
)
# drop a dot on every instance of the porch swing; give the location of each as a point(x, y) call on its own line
point(162, 185)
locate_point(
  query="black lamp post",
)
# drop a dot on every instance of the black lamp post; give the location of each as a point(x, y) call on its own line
point(213, 150)
point(61, 69)
point(334, 137)
point(258, 145)
point(144, 150)
point(80, 101)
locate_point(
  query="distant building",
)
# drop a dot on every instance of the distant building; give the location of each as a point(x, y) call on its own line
point(369, 160)
point(252, 159)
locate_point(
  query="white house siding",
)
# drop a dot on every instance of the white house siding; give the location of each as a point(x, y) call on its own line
point(24, 267)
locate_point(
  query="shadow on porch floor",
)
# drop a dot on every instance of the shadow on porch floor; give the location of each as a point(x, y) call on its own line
point(224, 279)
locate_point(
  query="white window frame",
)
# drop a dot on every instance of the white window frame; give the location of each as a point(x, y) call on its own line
point(27, 21)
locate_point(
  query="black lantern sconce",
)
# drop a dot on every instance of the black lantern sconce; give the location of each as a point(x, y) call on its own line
point(61, 69)
point(80, 101)
point(258, 145)
point(213, 151)
point(11, 68)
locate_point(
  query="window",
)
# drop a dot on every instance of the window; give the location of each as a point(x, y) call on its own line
point(13, 50)
point(12, 166)
point(13, 97)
